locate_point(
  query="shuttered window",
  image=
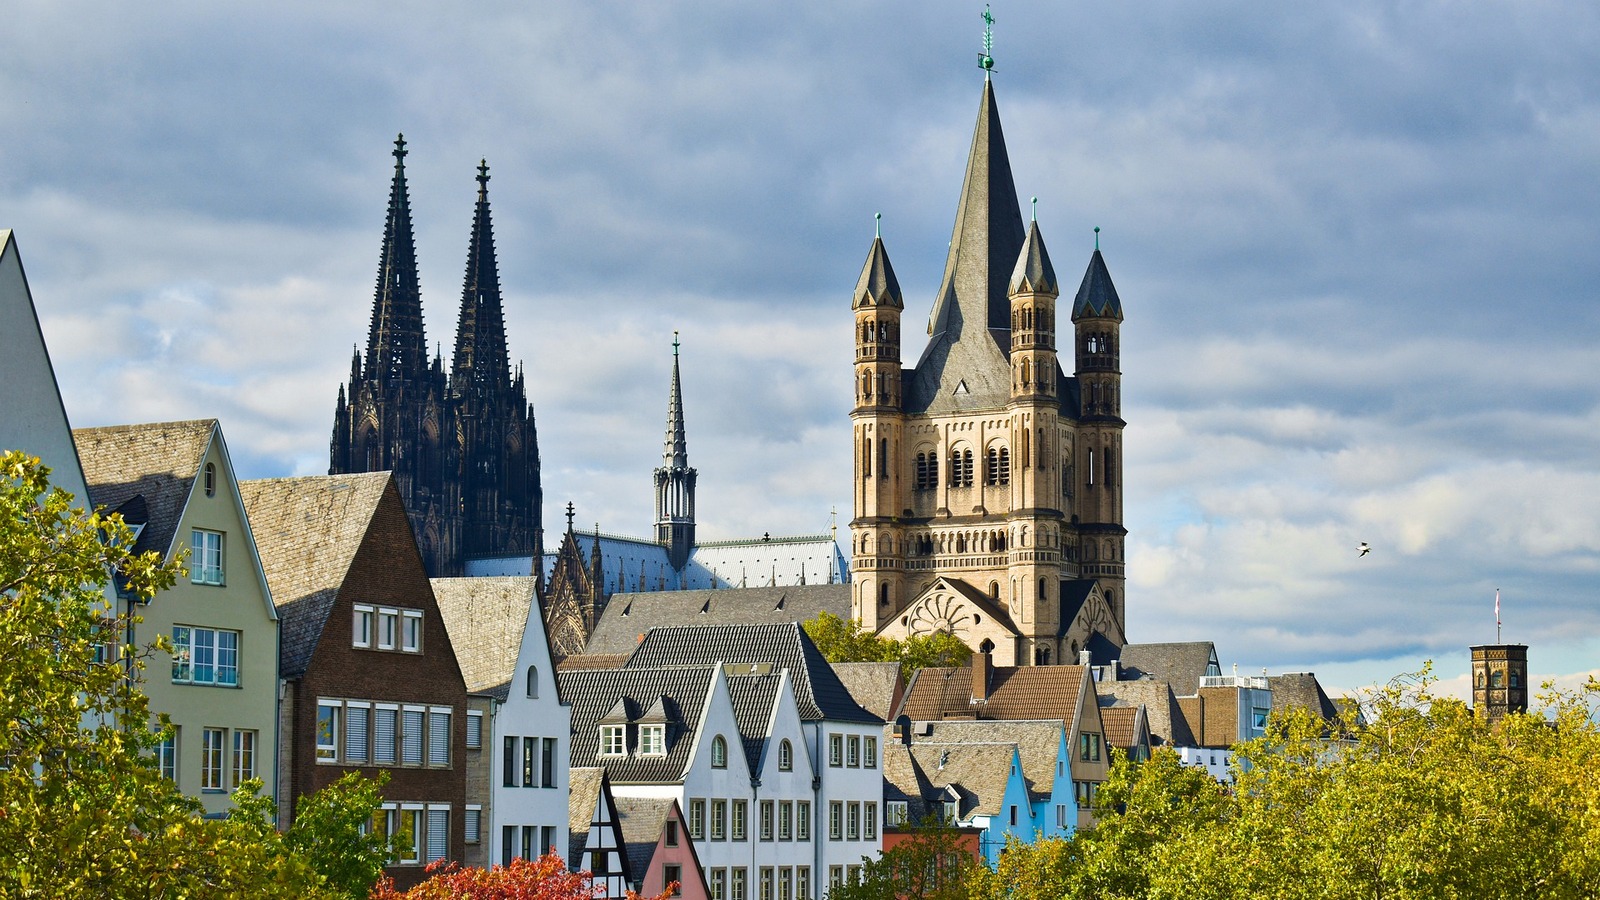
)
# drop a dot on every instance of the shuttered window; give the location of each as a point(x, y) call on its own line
point(355, 733)
point(438, 833)
point(438, 737)
point(411, 736)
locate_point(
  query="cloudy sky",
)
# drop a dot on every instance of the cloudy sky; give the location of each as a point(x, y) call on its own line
point(1358, 244)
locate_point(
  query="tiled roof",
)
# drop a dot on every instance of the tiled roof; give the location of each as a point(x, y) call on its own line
point(643, 819)
point(1121, 725)
point(1038, 741)
point(583, 784)
point(1301, 690)
point(628, 616)
point(593, 661)
point(1163, 716)
point(1015, 692)
point(149, 469)
point(1181, 665)
point(977, 771)
point(818, 691)
point(307, 532)
point(485, 618)
point(877, 686)
point(594, 693)
point(753, 698)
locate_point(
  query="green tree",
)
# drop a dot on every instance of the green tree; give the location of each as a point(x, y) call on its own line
point(938, 650)
point(845, 640)
point(332, 834)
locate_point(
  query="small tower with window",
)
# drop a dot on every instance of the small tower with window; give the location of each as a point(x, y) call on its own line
point(1095, 473)
point(1499, 680)
point(877, 423)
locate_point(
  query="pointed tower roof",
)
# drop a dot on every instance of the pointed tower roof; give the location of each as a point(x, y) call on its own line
point(987, 236)
point(480, 364)
point(877, 285)
point(1097, 296)
point(396, 345)
point(675, 452)
point(1033, 271)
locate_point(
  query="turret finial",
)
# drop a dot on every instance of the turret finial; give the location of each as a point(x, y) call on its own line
point(986, 58)
point(483, 174)
point(877, 223)
point(1097, 237)
point(674, 344)
point(570, 515)
point(1035, 216)
point(400, 146)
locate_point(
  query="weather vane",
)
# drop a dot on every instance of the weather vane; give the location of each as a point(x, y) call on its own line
point(986, 58)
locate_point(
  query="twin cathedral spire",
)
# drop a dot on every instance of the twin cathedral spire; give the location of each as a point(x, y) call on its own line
point(463, 446)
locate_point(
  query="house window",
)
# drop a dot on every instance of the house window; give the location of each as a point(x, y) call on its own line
point(652, 740)
point(697, 819)
point(852, 751)
point(836, 750)
point(869, 820)
point(835, 820)
point(835, 877)
point(672, 832)
point(611, 742)
point(167, 755)
point(785, 820)
point(414, 824)
point(213, 742)
point(719, 884)
point(869, 752)
point(802, 882)
point(1061, 815)
point(802, 820)
point(533, 682)
point(741, 815)
point(411, 632)
point(361, 626)
point(785, 883)
point(474, 730)
point(244, 756)
point(719, 752)
point(385, 733)
point(439, 737)
point(205, 656)
point(530, 757)
point(1259, 717)
point(1013, 815)
point(896, 813)
point(388, 628)
point(1083, 793)
point(411, 736)
point(952, 809)
point(785, 756)
point(766, 883)
point(1089, 747)
point(736, 879)
point(674, 877)
point(438, 833)
point(472, 824)
point(328, 732)
point(719, 820)
point(547, 762)
point(766, 820)
point(852, 830)
point(211, 479)
point(205, 557)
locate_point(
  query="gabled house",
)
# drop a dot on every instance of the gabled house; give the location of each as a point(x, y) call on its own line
point(659, 849)
point(1045, 747)
point(984, 692)
point(595, 843)
point(841, 740)
point(877, 686)
point(32, 417)
point(977, 785)
point(1128, 730)
point(497, 628)
point(174, 483)
point(370, 678)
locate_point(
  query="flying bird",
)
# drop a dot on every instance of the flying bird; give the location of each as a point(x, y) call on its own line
point(1365, 548)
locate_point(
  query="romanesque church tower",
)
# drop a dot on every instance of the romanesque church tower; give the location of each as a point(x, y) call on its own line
point(463, 447)
point(988, 493)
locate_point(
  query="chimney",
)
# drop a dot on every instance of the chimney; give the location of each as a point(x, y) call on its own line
point(1085, 657)
point(980, 677)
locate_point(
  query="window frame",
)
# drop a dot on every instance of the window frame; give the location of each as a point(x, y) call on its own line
point(613, 740)
point(785, 756)
point(653, 739)
point(206, 557)
point(213, 760)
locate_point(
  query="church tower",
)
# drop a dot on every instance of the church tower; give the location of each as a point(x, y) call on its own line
point(1499, 680)
point(675, 480)
point(987, 481)
point(463, 449)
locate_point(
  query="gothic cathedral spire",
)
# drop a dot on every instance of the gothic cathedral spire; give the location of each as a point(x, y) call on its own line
point(675, 479)
point(480, 367)
point(397, 349)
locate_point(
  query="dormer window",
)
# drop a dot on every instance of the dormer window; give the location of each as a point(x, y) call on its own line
point(719, 752)
point(951, 810)
point(612, 741)
point(653, 740)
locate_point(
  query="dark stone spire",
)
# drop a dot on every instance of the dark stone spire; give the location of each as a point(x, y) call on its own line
point(480, 366)
point(877, 285)
point(397, 350)
point(675, 479)
point(987, 238)
point(1097, 296)
point(675, 448)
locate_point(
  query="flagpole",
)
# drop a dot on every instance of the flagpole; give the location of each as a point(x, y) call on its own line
point(1497, 615)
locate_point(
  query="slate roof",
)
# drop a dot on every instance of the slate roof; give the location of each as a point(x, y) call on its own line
point(877, 285)
point(818, 692)
point(1301, 690)
point(583, 784)
point(877, 686)
point(1038, 742)
point(640, 565)
point(1097, 296)
point(978, 773)
point(1163, 716)
point(643, 819)
point(1033, 271)
point(754, 697)
point(1015, 692)
point(485, 618)
point(595, 693)
point(628, 617)
point(307, 532)
point(145, 471)
point(1181, 665)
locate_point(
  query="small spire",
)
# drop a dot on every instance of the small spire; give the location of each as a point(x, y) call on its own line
point(986, 58)
point(1034, 216)
point(1097, 237)
point(570, 515)
point(877, 223)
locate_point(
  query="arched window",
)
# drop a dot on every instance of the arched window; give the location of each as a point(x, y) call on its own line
point(1515, 681)
point(785, 756)
point(211, 479)
point(719, 752)
point(1480, 678)
point(1497, 679)
point(1043, 597)
point(533, 682)
point(994, 590)
point(966, 468)
point(883, 595)
point(1005, 465)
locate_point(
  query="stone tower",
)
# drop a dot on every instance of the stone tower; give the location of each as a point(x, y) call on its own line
point(463, 448)
point(987, 481)
point(1499, 680)
point(675, 479)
